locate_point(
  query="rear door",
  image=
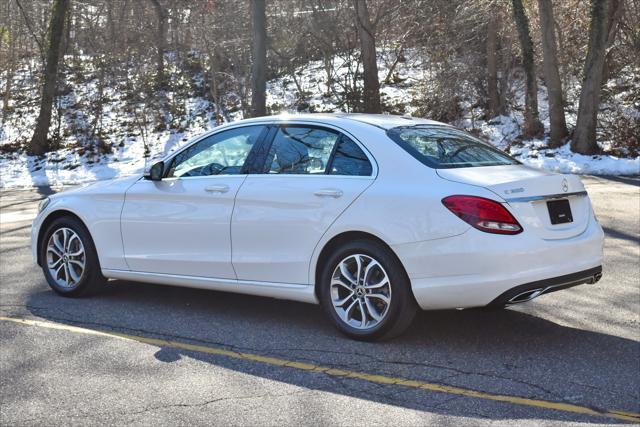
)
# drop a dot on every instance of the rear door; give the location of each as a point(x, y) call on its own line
point(308, 177)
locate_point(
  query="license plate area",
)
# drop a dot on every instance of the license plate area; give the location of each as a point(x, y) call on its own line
point(559, 211)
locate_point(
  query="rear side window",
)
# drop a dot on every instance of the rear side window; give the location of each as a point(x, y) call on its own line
point(442, 147)
point(349, 159)
point(300, 150)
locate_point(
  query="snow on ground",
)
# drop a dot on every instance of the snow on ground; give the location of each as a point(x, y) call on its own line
point(67, 166)
point(502, 131)
point(128, 127)
point(129, 131)
point(563, 160)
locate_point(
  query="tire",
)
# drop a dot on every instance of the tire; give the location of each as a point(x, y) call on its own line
point(394, 316)
point(70, 279)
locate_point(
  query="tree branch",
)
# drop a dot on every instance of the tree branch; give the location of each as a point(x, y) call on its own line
point(31, 31)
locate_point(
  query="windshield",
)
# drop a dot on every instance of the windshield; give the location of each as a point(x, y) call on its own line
point(442, 147)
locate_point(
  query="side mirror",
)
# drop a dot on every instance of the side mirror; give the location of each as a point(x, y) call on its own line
point(155, 172)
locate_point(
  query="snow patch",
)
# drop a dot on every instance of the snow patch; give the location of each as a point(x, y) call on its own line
point(127, 125)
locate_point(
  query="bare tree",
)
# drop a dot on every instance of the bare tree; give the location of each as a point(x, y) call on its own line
point(39, 142)
point(10, 57)
point(187, 62)
point(532, 125)
point(552, 74)
point(495, 107)
point(32, 31)
point(584, 135)
point(366, 33)
point(259, 66)
point(161, 37)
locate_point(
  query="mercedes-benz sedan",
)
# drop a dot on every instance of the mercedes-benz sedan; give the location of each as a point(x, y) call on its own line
point(371, 216)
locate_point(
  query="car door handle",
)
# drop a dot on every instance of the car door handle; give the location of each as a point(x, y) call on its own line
point(329, 192)
point(217, 188)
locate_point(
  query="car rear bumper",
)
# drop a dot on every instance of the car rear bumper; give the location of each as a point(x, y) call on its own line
point(476, 269)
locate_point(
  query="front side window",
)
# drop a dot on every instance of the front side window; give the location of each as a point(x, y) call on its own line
point(223, 153)
point(300, 150)
point(442, 147)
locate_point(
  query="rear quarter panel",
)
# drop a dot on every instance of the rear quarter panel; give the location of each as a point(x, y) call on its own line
point(403, 205)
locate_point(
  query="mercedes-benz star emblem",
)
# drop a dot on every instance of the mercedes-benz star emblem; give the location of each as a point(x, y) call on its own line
point(565, 185)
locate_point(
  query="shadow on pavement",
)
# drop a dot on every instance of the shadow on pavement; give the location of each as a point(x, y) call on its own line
point(611, 232)
point(501, 352)
point(630, 180)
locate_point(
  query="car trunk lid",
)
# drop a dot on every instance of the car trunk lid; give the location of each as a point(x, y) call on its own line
point(528, 193)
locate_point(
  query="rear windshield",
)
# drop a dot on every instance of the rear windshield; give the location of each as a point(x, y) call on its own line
point(443, 147)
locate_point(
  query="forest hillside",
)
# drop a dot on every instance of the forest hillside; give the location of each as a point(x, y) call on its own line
point(126, 81)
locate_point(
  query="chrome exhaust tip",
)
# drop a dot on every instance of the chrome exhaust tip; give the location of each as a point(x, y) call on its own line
point(595, 279)
point(527, 296)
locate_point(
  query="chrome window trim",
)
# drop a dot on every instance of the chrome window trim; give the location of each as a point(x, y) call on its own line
point(372, 160)
point(547, 197)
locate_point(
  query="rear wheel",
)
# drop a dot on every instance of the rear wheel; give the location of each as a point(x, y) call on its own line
point(69, 259)
point(365, 291)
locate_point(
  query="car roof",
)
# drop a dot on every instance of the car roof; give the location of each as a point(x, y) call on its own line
point(383, 121)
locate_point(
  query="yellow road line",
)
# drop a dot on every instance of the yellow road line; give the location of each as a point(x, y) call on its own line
point(379, 379)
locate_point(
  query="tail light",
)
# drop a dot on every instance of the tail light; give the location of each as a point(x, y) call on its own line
point(484, 214)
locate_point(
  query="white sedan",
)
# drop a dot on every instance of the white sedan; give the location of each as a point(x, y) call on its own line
point(372, 216)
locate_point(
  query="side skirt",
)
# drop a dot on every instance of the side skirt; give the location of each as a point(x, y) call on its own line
point(287, 291)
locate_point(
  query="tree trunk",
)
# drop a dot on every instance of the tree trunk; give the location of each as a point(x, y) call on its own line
point(614, 16)
point(551, 74)
point(66, 38)
point(366, 34)
point(39, 142)
point(214, 88)
point(161, 38)
point(584, 135)
point(259, 66)
point(124, 18)
point(10, 66)
point(532, 125)
point(562, 63)
point(493, 95)
point(399, 53)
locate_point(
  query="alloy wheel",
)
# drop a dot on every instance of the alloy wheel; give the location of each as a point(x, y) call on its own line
point(66, 258)
point(360, 291)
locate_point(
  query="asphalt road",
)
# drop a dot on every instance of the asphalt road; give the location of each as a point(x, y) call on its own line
point(577, 348)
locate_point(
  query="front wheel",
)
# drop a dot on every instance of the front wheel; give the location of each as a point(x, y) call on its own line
point(366, 292)
point(69, 259)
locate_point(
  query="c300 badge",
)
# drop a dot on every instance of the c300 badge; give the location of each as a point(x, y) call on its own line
point(514, 190)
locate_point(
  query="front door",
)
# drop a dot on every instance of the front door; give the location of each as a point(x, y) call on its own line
point(181, 224)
